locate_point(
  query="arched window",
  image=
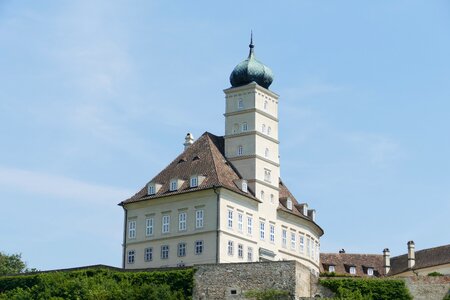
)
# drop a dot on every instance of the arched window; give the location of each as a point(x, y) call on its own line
point(265, 104)
point(269, 130)
point(263, 128)
point(244, 126)
point(262, 195)
point(266, 152)
point(240, 103)
point(271, 198)
point(240, 150)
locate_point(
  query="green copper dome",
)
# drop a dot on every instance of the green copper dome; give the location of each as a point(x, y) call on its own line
point(251, 70)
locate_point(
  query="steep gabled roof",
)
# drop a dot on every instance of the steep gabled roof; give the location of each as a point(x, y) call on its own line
point(343, 261)
point(205, 158)
point(424, 258)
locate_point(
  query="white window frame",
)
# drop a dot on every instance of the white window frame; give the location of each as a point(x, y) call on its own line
point(289, 203)
point(352, 270)
point(240, 104)
point(199, 217)
point(308, 247)
point(165, 220)
point(272, 233)
point(370, 271)
point(151, 189)
point(199, 247)
point(165, 252)
point(240, 150)
point(240, 222)
point(230, 248)
point(244, 127)
point(132, 230)
point(244, 186)
point(302, 243)
point(230, 219)
point(131, 256)
point(240, 251)
point(249, 254)
point(293, 240)
point(249, 225)
point(331, 269)
point(173, 185)
point(267, 175)
point(181, 249)
point(149, 226)
point(262, 230)
point(148, 254)
point(194, 181)
point(182, 221)
point(284, 238)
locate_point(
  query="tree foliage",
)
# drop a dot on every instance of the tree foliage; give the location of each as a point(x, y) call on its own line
point(11, 264)
point(99, 284)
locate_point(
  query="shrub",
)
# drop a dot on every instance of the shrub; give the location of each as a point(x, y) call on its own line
point(362, 288)
point(435, 274)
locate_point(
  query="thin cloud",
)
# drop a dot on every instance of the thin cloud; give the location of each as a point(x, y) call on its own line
point(60, 187)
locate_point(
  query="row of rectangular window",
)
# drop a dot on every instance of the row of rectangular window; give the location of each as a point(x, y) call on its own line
point(312, 246)
point(165, 224)
point(240, 251)
point(173, 185)
point(240, 104)
point(181, 251)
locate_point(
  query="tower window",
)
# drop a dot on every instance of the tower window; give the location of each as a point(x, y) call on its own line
point(267, 176)
point(265, 104)
point(240, 150)
point(262, 195)
point(244, 126)
point(263, 128)
point(240, 104)
point(269, 130)
point(266, 152)
point(271, 198)
point(235, 128)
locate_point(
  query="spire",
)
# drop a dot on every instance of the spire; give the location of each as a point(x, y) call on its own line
point(251, 46)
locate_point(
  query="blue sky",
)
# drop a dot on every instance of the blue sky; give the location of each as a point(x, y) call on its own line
point(97, 96)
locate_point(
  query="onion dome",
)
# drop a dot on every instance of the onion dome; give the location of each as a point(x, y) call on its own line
point(251, 70)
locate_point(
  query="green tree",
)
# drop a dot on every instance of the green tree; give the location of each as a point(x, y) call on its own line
point(11, 264)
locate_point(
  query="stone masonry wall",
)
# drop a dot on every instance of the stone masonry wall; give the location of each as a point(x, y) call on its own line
point(428, 287)
point(231, 281)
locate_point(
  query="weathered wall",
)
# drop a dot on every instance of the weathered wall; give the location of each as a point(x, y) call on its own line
point(428, 287)
point(231, 281)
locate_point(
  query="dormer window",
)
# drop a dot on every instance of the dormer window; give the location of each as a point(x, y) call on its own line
point(289, 203)
point(173, 185)
point(352, 270)
point(240, 104)
point(194, 181)
point(244, 126)
point(331, 269)
point(240, 150)
point(244, 186)
point(305, 209)
point(151, 189)
point(370, 271)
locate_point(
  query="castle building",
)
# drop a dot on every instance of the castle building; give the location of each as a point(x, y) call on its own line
point(222, 199)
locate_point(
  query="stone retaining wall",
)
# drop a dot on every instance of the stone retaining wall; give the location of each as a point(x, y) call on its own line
point(428, 287)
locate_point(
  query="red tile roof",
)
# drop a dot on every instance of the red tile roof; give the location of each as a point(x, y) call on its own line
point(343, 261)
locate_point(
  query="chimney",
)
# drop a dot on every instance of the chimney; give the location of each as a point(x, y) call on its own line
point(411, 254)
point(387, 260)
point(188, 140)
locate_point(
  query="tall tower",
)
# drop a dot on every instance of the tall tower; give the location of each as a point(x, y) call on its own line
point(251, 129)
